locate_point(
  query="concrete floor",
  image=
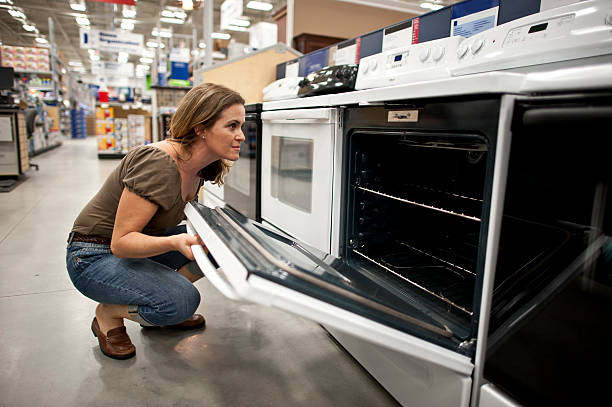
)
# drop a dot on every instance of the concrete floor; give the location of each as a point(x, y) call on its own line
point(249, 355)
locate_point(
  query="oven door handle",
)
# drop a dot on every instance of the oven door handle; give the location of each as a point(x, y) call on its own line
point(209, 270)
point(566, 115)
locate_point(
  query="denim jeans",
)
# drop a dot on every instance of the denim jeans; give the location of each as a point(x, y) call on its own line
point(162, 296)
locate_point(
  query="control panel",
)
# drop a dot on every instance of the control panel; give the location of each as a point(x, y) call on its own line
point(333, 79)
point(413, 63)
point(571, 32)
point(284, 88)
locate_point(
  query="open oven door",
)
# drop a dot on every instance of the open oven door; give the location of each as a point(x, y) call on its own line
point(260, 265)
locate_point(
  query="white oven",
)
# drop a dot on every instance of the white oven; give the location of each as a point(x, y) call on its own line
point(298, 172)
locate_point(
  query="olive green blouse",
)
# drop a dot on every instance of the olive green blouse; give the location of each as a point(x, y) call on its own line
point(147, 171)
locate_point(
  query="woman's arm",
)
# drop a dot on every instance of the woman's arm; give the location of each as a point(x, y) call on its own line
point(133, 214)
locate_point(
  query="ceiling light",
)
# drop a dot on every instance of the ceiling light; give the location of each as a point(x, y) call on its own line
point(221, 36)
point(94, 57)
point(171, 20)
point(259, 5)
point(41, 40)
point(187, 5)
point(167, 13)
point(180, 14)
point(75, 63)
point(436, 6)
point(236, 28)
point(431, 6)
point(127, 24)
point(78, 6)
point(162, 33)
point(82, 20)
point(92, 51)
point(17, 14)
point(240, 22)
point(123, 57)
point(29, 27)
point(146, 60)
point(129, 12)
point(202, 44)
point(154, 44)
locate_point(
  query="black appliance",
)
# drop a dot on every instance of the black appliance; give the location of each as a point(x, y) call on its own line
point(549, 332)
point(333, 79)
point(242, 188)
point(417, 192)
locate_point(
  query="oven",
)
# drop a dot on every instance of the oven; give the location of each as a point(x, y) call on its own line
point(298, 172)
point(548, 332)
point(242, 188)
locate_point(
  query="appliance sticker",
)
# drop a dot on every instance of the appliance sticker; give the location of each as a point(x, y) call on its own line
point(292, 69)
point(399, 35)
point(472, 17)
point(346, 53)
point(403, 116)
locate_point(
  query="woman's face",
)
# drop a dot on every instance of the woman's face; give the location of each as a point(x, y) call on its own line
point(224, 137)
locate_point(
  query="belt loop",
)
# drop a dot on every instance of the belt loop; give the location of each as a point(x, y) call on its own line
point(70, 237)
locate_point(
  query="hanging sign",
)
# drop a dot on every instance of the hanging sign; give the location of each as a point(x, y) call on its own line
point(112, 69)
point(230, 11)
point(112, 41)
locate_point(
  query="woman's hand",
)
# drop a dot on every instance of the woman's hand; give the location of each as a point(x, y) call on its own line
point(184, 242)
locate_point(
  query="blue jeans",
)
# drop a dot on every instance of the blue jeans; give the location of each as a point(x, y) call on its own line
point(153, 290)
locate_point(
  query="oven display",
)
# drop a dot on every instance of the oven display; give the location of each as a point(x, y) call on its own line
point(397, 58)
point(538, 28)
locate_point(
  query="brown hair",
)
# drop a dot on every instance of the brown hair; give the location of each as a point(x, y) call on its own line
point(203, 105)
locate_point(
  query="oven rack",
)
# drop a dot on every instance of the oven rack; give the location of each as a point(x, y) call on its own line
point(437, 279)
point(472, 208)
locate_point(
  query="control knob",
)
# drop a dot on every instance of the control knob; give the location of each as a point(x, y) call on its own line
point(476, 46)
point(424, 54)
point(438, 53)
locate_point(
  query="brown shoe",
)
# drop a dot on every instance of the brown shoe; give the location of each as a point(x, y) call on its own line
point(116, 343)
point(196, 321)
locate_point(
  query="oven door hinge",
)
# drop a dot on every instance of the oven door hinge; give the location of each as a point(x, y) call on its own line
point(468, 345)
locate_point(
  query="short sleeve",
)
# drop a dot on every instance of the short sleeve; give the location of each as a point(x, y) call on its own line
point(152, 174)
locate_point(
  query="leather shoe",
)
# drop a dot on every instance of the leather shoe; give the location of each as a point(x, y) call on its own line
point(116, 343)
point(196, 321)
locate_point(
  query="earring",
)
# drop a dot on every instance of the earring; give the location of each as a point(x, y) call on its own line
point(203, 137)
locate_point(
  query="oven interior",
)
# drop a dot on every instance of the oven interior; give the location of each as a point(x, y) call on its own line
point(414, 219)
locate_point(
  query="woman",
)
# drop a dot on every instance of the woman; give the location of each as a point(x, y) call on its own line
point(125, 251)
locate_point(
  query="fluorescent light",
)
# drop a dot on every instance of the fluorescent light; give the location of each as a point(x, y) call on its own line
point(41, 40)
point(431, 6)
point(129, 12)
point(236, 28)
point(146, 60)
point(163, 33)
point(127, 24)
point(17, 14)
point(75, 63)
point(82, 20)
point(202, 44)
point(171, 20)
point(259, 5)
point(94, 57)
point(187, 5)
point(180, 14)
point(29, 27)
point(78, 6)
point(153, 44)
point(240, 22)
point(221, 36)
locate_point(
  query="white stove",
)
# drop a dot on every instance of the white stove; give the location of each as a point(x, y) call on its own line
point(281, 89)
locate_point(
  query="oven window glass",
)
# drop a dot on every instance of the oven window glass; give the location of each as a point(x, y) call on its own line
point(291, 178)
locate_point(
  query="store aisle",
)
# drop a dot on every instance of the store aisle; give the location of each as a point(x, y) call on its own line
point(249, 355)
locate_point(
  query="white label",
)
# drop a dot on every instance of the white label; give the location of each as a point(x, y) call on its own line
point(403, 116)
point(397, 39)
point(346, 55)
point(292, 70)
point(474, 23)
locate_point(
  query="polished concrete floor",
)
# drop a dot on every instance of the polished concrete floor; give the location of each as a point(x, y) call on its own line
point(249, 355)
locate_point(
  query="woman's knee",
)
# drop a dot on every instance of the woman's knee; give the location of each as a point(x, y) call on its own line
point(178, 307)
